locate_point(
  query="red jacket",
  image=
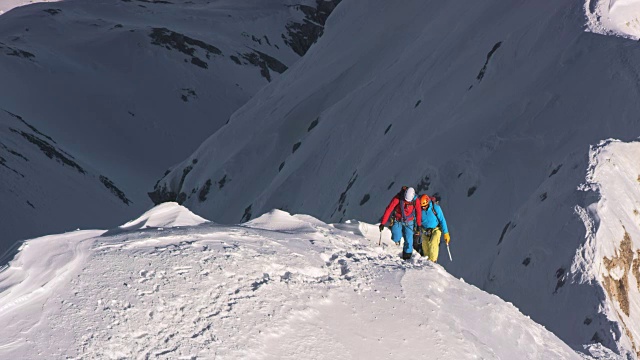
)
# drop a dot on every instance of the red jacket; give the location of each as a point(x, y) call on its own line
point(411, 211)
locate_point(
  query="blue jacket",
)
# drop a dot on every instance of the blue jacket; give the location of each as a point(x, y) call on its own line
point(429, 219)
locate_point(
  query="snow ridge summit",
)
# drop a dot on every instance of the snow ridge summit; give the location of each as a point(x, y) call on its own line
point(280, 287)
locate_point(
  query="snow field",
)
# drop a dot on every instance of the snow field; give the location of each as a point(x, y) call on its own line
point(7, 5)
point(613, 232)
point(617, 17)
point(281, 287)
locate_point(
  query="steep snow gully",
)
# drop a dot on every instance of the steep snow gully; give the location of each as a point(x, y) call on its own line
point(277, 287)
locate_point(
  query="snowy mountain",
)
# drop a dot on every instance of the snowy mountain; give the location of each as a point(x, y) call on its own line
point(7, 5)
point(277, 287)
point(493, 105)
point(45, 186)
point(131, 87)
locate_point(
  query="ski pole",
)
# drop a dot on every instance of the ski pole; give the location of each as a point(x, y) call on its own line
point(380, 240)
point(449, 251)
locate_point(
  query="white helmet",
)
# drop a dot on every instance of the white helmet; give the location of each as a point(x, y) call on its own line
point(410, 194)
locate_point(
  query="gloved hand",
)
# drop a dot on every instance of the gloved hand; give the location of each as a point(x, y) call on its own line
point(447, 238)
point(381, 227)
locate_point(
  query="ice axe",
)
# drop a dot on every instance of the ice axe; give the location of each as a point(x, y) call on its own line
point(449, 251)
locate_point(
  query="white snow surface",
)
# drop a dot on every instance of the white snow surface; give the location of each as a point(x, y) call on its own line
point(614, 17)
point(281, 287)
point(6, 5)
point(614, 173)
point(491, 104)
point(165, 215)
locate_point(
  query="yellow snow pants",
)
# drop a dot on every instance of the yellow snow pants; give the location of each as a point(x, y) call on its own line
point(431, 245)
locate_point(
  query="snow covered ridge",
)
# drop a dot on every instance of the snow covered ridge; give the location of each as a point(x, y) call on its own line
point(279, 287)
point(6, 5)
point(612, 253)
point(614, 17)
point(494, 111)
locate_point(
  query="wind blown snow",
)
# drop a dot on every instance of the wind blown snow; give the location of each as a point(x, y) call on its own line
point(278, 287)
point(612, 252)
point(7, 5)
point(614, 17)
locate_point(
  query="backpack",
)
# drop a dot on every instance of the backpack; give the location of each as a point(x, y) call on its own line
point(400, 194)
point(400, 197)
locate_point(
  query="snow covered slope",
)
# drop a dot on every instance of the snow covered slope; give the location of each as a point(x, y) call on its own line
point(44, 186)
point(278, 287)
point(132, 86)
point(616, 17)
point(493, 105)
point(7, 5)
point(612, 253)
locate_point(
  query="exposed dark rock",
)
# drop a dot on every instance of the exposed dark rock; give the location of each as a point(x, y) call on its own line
point(561, 279)
point(50, 151)
point(587, 321)
point(188, 94)
point(202, 196)
point(184, 44)
point(247, 214)
point(235, 59)
point(504, 232)
point(265, 63)
point(11, 51)
point(486, 63)
point(114, 189)
point(3, 163)
point(343, 196)
point(390, 185)
point(13, 152)
point(30, 126)
point(302, 35)
point(543, 196)
point(196, 61)
point(181, 198)
point(222, 182)
point(30, 204)
point(460, 175)
point(296, 146)
point(365, 199)
point(417, 104)
point(281, 166)
point(387, 129)
point(423, 185)
point(471, 191)
point(162, 194)
point(526, 261)
point(314, 123)
point(185, 172)
point(555, 171)
point(52, 11)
